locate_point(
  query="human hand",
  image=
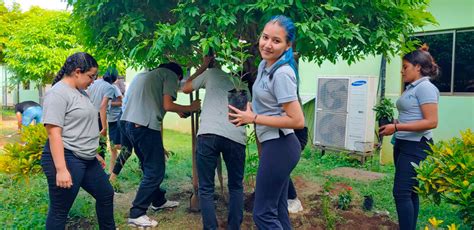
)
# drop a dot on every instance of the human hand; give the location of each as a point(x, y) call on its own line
point(195, 105)
point(101, 161)
point(63, 178)
point(387, 130)
point(103, 132)
point(242, 117)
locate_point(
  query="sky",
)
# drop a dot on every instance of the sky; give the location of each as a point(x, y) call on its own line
point(45, 4)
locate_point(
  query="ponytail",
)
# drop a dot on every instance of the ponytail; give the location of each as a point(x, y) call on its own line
point(81, 60)
point(423, 58)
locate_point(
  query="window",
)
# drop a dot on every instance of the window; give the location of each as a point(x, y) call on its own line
point(453, 51)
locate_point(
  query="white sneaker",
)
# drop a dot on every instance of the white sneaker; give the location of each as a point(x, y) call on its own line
point(142, 221)
point(167, 204)
point(294, 206)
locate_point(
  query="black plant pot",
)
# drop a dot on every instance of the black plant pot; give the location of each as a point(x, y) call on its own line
point(368, 203)
point(238, 99)
point(384, 121)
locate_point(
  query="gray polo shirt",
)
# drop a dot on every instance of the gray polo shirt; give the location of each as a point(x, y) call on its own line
point(214, 119)
point(144, 97)
point(113, 112)
point(269, 95)
point(419, 92)
point(73, 111)
point(98, 90)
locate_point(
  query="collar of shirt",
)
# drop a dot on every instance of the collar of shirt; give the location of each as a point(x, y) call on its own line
point(269, 69)
point(415, 83)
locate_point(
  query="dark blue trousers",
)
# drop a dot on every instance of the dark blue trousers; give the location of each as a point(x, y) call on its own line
point(87, 174)
point(148, 146)
point(209, 147)
point(406, 199)
point(126, 150)
point(278, 159)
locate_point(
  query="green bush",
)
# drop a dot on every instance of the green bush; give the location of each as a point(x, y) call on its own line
point(22, 159)
point(448, 173)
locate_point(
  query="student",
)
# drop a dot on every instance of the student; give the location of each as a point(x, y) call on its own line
point(69, 156)
point(217, 135)
point(149, 97)
point(28, 111)
point(100, 93)
point(276, 112)
point(114, 111)
point(418, 115)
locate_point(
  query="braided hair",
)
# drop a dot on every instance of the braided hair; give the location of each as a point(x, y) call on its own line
point(81, 60)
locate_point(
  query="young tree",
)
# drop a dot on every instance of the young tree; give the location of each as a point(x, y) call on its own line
point(148, 32)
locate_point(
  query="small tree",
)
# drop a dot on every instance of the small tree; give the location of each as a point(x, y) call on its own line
point(448, 174)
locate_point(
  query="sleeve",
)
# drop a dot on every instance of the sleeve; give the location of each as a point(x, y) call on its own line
point(427, 93)
point(200, 81)
point(117, 92)
point(170, 86)
point(284, 87)
point(54, 109)
point(110, 92)
point(18, 108)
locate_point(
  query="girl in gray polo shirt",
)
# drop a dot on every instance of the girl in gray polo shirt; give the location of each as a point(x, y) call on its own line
point(418, 115)
point(276, 112)
point(69, 156)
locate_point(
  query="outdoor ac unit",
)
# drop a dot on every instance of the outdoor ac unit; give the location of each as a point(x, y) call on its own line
point(344, 118)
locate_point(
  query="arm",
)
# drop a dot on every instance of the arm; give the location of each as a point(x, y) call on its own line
point(103, 115)
point(18, 118)
point(294, 118)
point(118, 102)
point(188, 86)
point(169, 105)
point(63, 177)
point(429, 121)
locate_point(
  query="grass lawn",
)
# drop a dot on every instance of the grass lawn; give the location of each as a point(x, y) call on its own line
point(24, 204)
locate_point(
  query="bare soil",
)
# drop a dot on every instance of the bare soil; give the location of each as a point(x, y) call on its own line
point(356, 174)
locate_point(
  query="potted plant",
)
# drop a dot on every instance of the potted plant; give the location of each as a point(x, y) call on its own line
point(235, 59)
point(384, 112)
point(368, 203)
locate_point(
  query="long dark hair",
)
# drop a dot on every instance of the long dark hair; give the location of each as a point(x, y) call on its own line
point(81, 60)
point(423, 58)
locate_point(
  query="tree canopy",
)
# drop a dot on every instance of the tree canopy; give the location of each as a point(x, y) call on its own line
point(145, 33)
point(38, 43)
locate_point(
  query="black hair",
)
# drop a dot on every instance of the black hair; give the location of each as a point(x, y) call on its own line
point(110, 75)
point(81, 60)
point(423, 58)
point(173, 66)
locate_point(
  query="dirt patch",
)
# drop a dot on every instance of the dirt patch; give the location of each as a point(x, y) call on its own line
point(356, 217)
point(356, 174)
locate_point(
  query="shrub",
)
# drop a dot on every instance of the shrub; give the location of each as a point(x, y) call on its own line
point(448, 173)
point(251, 162)
point(21, 159)
point(345, 199)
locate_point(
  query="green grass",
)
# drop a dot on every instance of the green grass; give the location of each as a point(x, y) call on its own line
point(7, 112)
point(24, 205)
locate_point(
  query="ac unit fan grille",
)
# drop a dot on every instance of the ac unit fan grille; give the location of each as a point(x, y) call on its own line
point(330, 129)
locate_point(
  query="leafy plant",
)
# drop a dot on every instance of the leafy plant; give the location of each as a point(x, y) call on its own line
point(251, 162)
point(384, 109)
point(345, 199)
point(435, 225)
point(448, 173)
point(234, 60)
point(22, 159)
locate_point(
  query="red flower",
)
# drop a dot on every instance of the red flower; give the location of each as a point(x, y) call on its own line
point(349, 188)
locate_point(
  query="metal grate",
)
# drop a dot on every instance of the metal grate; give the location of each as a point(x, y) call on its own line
point(332, 94)
point(330, 129)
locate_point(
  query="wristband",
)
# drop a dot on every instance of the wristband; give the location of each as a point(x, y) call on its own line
point(255, 119)
point(395, 124)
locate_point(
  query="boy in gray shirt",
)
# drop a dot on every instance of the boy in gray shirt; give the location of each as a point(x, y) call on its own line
point(150, 95)
point(217, 134)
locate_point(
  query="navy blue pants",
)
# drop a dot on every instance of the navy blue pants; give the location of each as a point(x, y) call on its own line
point(279, 157)
point(126, 150)
point(406, 199)
point(209, 147)
point(87, 174)
point(148, 146)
